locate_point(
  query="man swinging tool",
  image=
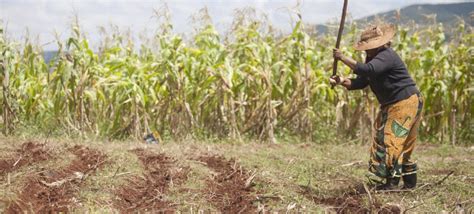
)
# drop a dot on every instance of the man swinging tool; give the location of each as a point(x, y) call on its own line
point(395, 129)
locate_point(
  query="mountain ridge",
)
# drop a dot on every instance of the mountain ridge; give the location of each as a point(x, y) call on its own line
point(447, 14)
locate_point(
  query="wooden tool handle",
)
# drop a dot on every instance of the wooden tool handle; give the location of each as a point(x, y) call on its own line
point(339, 35)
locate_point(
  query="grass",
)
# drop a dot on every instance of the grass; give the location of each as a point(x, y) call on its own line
point(282, 171)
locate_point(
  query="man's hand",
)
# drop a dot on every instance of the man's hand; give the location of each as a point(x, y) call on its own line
point(337, 54)
point(335, 80)
point(338, 80)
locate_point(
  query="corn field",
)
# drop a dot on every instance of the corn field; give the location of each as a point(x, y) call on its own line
point(250, 83)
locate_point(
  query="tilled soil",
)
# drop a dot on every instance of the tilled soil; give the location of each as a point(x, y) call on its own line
point(55, 191)
point(149, 192)
point(29, 153)
point(229, 190)
point(350, 200)
point(228, 187)
point(441, 171)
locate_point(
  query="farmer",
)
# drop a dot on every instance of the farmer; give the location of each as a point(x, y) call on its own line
point(400, 105)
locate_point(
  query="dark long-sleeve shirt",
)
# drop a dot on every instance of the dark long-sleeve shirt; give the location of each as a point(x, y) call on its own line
point(387, 76)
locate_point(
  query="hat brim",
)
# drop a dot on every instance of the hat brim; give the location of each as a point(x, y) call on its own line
point(389, 32)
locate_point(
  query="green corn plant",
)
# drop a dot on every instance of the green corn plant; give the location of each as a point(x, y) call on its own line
point(6, 58)
point(252, 82)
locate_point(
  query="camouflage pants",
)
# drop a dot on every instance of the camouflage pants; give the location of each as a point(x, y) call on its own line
point(395, 132)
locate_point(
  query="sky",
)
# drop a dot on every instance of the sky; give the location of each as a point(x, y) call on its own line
point(43, 18)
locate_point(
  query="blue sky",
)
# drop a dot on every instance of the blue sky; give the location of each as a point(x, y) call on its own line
point(44, 17)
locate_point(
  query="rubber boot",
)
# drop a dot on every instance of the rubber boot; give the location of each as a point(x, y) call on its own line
point(409, 181)
point(390, 183)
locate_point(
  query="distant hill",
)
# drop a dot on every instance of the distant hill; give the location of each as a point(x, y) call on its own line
point(445, 13)
point(49, 55)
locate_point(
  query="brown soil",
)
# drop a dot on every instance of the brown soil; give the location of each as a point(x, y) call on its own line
point(350, 200)
point(227, 190)
point(426, 146)
point(441, 171)
point(28, 154)
point(55, 191)
point(148, 192)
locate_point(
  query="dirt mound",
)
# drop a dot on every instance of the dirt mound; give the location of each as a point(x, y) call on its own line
point(54, 191)
point(389, 209)
point(349, 200)
point(28, 154)
point(229, 190)
point(148, 192)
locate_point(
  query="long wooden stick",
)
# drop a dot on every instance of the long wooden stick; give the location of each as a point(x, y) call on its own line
point(339, 35)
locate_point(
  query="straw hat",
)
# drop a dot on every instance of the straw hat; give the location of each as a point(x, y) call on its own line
point(375, 36)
